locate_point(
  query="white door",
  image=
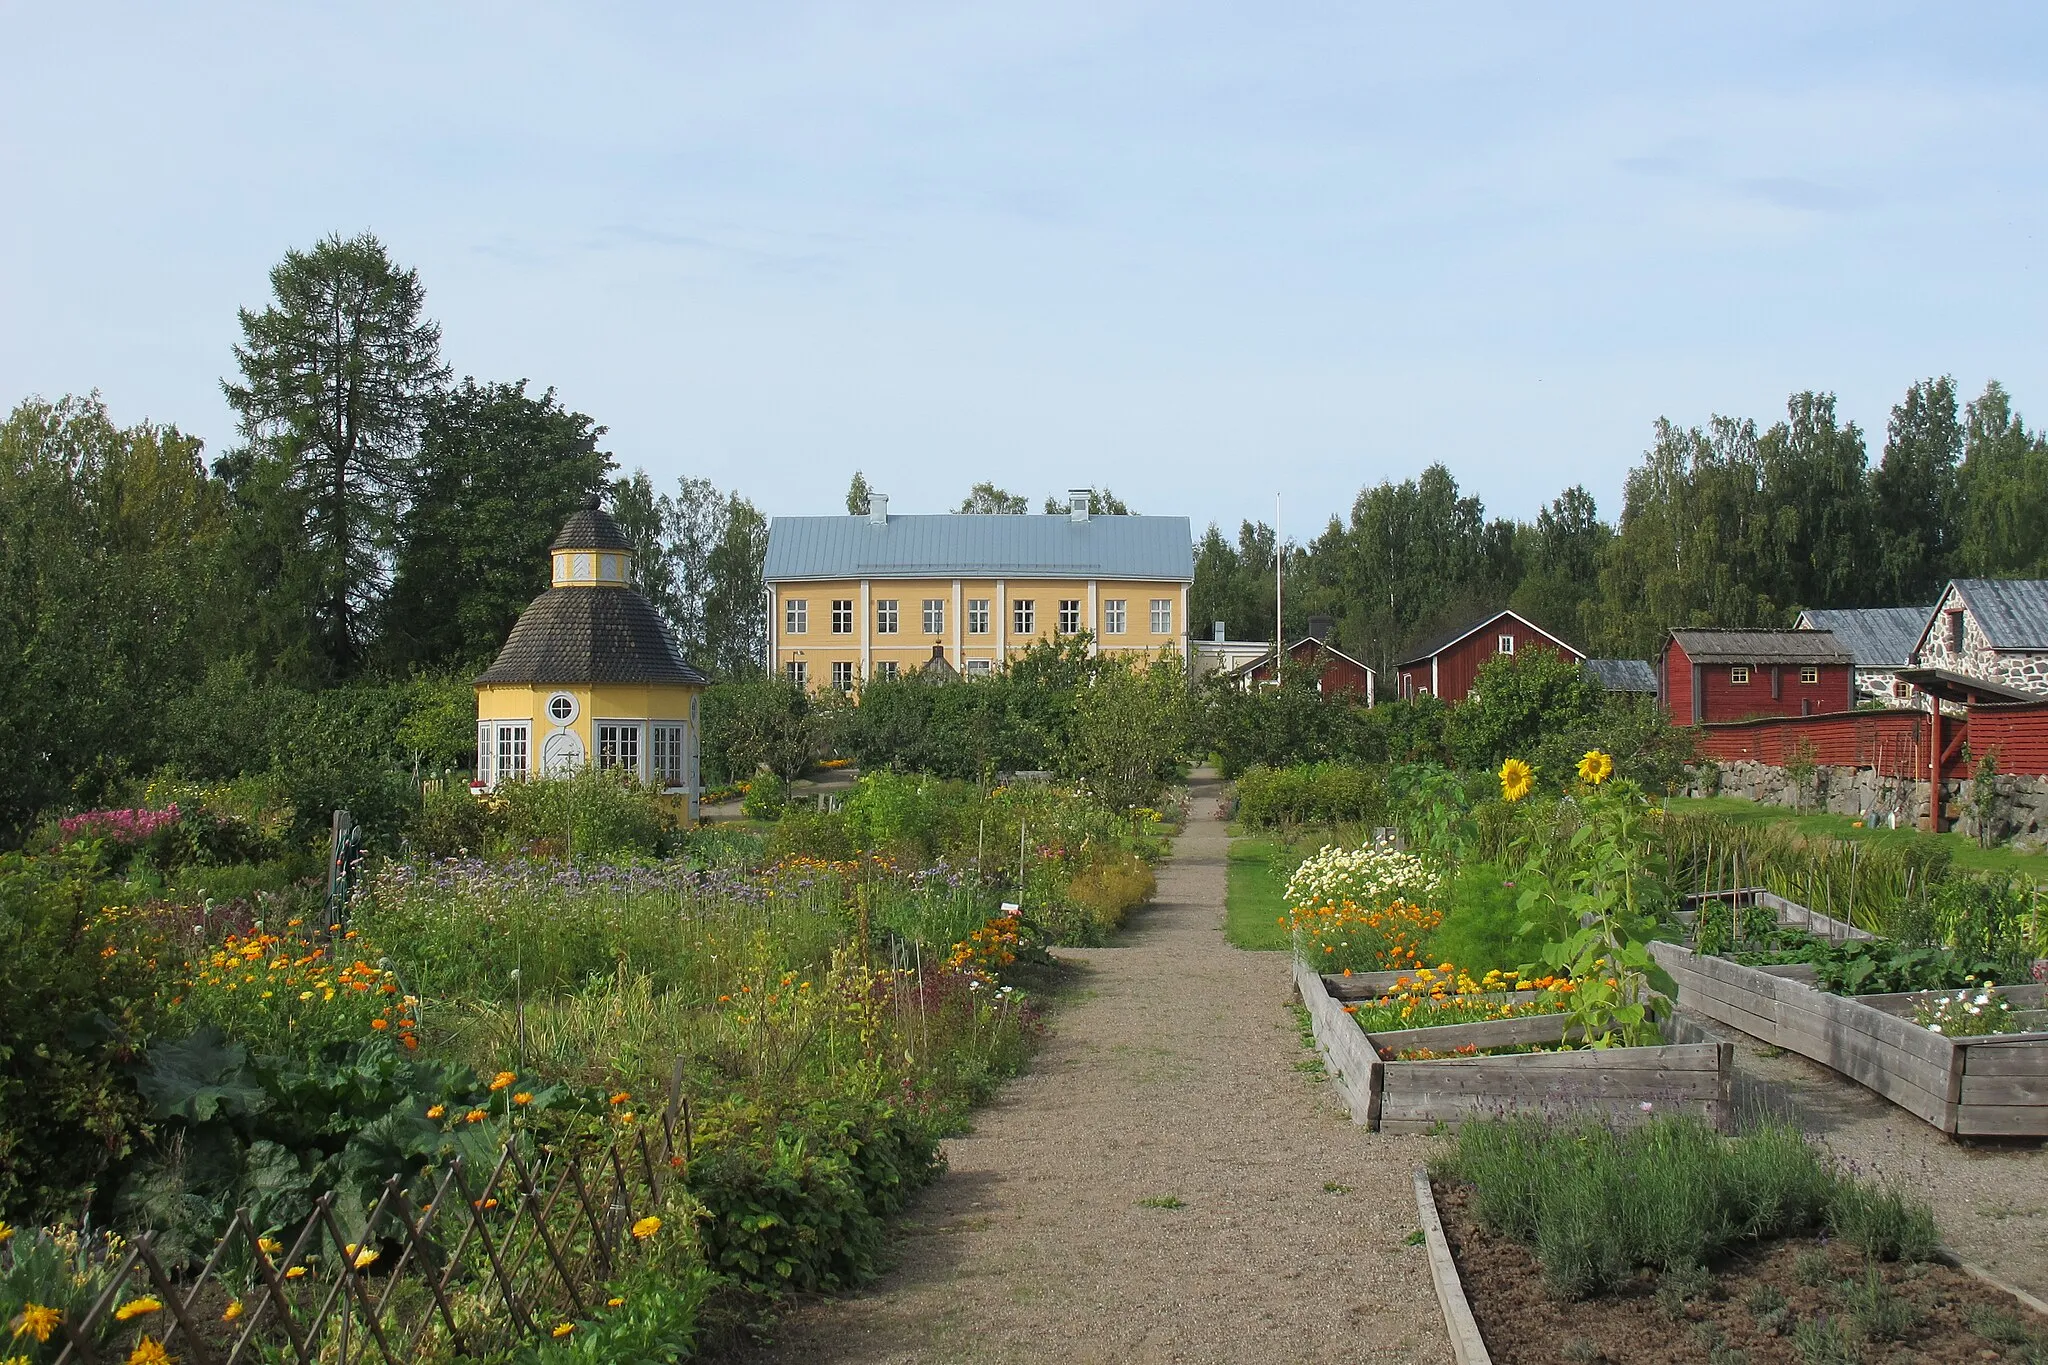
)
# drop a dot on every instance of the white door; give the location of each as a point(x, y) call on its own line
point(561, 754)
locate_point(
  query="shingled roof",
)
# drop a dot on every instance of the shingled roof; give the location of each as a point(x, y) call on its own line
point(1713, 645)
point(1879, 637)
point(590, 527)
point(591, 635)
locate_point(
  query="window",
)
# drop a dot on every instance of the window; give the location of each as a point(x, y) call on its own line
point(796, 616)
point(1506, 645)
point(885, 616)
point(977, 616)
point(485, 741)
point(1809, 674)
point(618, 746)
point(1113, 616)
point(1739, 675)
point(1023, 619)
point(1162, 616)
point(886, 670)
point(842, 675)
point(935, 616)
point(561, 708)
point(665, 745)
point(1070, 615)
point(1901, 689)
point(842, 616)
point(511, 758)
point(797, 671)
point(978, 668)
point(1955, 631)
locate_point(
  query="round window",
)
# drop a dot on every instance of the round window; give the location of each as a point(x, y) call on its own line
point(562, 708)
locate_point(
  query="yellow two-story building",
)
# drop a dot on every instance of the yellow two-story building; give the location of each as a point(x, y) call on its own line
point(875, 595)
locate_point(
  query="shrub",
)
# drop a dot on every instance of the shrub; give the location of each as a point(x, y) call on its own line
point(80, 996)
point(1482, 919)
point(454, 822)
point(888, 809)
point(1332, 793)
point(812, 834)
point(1367, 878)
point(766, 799)
point(1113, 887)
point(592, 814)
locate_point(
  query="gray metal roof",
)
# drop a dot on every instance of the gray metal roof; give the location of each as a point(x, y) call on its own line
point(1879, 637)
point(1714, 645)
point(2012, 612)
point(1622, 675)
point(981, 546)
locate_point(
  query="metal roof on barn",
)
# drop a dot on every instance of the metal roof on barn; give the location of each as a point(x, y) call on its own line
point(962, 544)
point(1714, 645)
point(1879, 637)
point(2012, 612)
point(1622, 675)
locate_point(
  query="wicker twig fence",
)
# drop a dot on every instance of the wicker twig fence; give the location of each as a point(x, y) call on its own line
point(487, 1258)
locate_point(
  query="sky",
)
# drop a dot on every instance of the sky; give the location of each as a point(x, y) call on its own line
point(1203, 255)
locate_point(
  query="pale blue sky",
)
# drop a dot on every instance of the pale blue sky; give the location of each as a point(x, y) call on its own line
point(1201, 254)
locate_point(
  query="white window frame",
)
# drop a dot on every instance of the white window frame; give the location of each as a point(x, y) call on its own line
point(513, 756)
point(486, 749)
point(935, 616)
point(979, 668)
point(842, 616)
point(1114, 615)
point(797, 671)
point(1162, 616)
point(796, 616)
point(1505, 645)
point(887, 670)
point(622, 736)
point(1023, 615)
point(887, 618)
point(1738, 675)
point(977, 616)
point(1070, 615)
point(1809, 674)
point(842, 674)
point(668, 751)
point(562, 708)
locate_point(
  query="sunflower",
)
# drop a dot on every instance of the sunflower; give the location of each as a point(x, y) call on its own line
point(1516, 778)
point(1596, 767)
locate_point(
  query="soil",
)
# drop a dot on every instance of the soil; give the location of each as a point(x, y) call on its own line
point(1523, 1325)
point(1167, 1183)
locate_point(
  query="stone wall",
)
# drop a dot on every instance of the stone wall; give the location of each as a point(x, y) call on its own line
point(2020, 816)
point(1977, 658)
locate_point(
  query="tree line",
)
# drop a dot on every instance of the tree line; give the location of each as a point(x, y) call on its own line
point(1731, 523)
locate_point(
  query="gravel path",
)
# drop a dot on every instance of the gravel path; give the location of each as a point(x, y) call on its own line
point(1172, 1073)
point(1989, 1195)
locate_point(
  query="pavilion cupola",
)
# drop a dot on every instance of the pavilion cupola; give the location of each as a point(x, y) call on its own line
point(591, 551)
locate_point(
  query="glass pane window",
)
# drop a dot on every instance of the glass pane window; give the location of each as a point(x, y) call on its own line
point(886, 670)
point(885, 616)
point(665, 744)
point(935, 616)
point(1070, 615)
point(978, 668)
point(1023, 618)
point(796, 616)
point(1113, 615)
point(618, 745)
point(485, 752)
point(1507, 644)
point(977, 616)
point(1739, 675)
point(842, 675)
point(1162, 616)
point(1809, 674)
point(511, 764)
point(797, 671)
point(842, 616)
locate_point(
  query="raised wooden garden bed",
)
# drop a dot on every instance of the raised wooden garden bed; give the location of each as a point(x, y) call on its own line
point(1417, 1097)
point(1995, 1086)
point(1791, 914)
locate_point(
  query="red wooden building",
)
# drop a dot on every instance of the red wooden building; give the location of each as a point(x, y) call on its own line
point(1341, 674)
point(1448, 667)
point(1709, 675)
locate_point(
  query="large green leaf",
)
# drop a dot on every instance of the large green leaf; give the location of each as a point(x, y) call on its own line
point(199, 1078)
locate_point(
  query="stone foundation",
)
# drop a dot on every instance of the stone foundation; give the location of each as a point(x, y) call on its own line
point(2020, 816)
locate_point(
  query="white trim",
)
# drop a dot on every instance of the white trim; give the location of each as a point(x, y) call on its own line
point(1460, 639)
point(640, 742)
point(959, 655)
point(1187, 653)
point(1002, 621)
point(1093, 622)
point(575, 708)
point(867, 645)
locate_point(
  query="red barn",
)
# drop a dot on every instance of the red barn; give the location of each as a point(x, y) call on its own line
point(1341, 673)
point(1449, 667)
point(1711, 675)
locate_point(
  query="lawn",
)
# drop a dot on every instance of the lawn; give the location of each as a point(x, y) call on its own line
point(1253, 900)
point(1967, 853)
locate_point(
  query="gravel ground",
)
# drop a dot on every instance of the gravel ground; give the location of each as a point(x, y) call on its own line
point(1989, 1195)
point(1173, 1072)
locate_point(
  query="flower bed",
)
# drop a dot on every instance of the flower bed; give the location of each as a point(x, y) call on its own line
point(1396, 1096)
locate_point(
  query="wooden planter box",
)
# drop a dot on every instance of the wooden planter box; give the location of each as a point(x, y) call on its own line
point(1416, 1097)
point(1974, 1087)
point(1791, 914)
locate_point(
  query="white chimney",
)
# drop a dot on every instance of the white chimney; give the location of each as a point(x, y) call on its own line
point(878, 508)
point(1077, 503)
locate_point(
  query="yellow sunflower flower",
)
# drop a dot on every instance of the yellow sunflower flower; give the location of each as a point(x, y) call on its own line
point(1516, 778)
point(1596, 767)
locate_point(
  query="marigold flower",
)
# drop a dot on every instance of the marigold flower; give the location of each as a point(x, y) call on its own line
point(295, 1272)
point(646, 1227)
point(135, 1308)
point(380, 1024)
point(562, 1329)
point(476, 1116)
point(621, 1097)
point(523, 1097)
point(613, 1303)
point(149, 1351)
point(503, 1079)
point(437, 1111)
point(366, 1256)
point(38, 1321)
point(269, 1246)
point(232, 1311)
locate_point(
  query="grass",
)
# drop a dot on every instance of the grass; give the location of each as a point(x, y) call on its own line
point(1964, 850)
point(1254, 896)
point(1163, 1201)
